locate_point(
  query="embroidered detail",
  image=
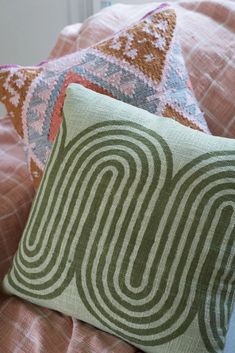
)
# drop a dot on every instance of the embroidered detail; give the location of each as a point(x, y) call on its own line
point(162, 25)
point(56, 117)
point(36, 172)
point(143, 39)
point(142, 66)
point(160, 43)
point(149, 57)
point(14, 86)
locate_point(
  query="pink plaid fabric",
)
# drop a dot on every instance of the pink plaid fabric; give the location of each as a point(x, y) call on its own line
point(207, 37)
point(24, 327)
point(66, 42)
point(206, 33)
point(27, 328)
point(16, 193)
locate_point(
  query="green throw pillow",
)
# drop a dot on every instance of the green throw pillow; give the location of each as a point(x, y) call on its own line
point(132, 229)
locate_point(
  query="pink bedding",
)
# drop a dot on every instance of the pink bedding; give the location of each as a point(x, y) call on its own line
point(26, 328)
point(66, 42)
point(16, 193)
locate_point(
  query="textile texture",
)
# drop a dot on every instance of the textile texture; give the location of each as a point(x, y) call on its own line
point(28, 328)
point(24, 327)
point(66, 41)
point(141, 65)
point(206, 34)
point(16, 193)
point(162, 280)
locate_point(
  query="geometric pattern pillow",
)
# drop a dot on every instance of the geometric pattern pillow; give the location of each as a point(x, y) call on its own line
point(141, 65)
point(132, 229)
point(208, 48)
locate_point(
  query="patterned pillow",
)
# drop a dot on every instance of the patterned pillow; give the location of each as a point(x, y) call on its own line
point(141, 65)
point(132, 229)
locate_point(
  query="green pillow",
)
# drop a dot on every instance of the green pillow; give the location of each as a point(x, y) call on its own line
point(132, 229)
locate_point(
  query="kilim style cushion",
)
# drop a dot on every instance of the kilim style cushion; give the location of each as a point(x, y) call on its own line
point(205, 30)
point(141, 65)
point(132, 229)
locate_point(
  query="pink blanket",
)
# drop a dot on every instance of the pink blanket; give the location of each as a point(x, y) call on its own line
point(66, 42)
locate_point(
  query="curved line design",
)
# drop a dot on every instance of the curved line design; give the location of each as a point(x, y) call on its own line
point(150, 250)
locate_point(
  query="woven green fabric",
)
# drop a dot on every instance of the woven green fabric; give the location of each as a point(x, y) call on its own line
point(132, 229)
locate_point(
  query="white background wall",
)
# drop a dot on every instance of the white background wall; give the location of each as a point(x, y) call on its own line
point(29, 28)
